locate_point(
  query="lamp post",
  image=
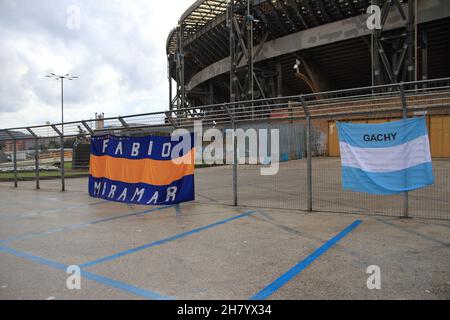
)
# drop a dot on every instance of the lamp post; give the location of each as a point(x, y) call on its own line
point(61, 78)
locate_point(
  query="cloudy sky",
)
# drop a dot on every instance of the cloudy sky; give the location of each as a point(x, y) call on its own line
point(116, 47)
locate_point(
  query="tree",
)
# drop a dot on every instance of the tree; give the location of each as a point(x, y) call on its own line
point(54, 144)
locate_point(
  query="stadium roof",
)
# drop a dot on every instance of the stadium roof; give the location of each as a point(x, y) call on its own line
point(289, 15)
point(197, 16)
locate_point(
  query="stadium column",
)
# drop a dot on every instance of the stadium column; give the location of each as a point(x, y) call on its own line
point(402, 65)
point(170, 85)
point(411, 41)
point(178, 68)
point(183, 88)
point(424, 47)
point(181, 57)
point(250, 50)
point(279, 68)
point(376, 72)
point(180, 80)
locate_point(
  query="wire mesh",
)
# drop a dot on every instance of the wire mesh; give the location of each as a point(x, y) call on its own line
point(287, 189)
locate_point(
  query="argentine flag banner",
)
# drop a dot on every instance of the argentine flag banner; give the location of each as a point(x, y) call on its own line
point(386, 158)
point(148, 170)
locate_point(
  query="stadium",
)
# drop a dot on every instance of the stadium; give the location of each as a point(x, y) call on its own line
point(302, 46)
point(115, 205)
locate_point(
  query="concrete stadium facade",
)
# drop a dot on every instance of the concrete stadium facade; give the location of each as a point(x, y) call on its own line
point(226, 51)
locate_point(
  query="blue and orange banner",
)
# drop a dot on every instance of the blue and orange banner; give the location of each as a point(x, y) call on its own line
point(142, 170)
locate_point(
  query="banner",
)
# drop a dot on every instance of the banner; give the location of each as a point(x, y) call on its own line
point(142, 170)
point(385, 158)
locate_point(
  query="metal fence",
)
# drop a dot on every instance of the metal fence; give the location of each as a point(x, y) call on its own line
point(308, 179)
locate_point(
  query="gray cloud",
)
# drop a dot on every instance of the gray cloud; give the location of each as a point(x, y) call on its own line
point(118, 52)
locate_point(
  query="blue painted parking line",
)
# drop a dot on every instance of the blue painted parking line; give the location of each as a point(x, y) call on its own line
point(285, 278)
point(80, 225)
point(163, 241)
point(88, 275)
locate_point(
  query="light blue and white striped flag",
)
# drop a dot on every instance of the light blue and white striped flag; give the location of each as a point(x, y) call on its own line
point(386, 158)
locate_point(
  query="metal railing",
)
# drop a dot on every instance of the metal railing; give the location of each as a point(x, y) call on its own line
point(387, 101)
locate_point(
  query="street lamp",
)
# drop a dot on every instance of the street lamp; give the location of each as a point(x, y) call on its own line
point(61, 78)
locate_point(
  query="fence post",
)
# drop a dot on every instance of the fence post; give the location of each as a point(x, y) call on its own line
point(14, 156)
point(36, 156)
point(405, 116)
point(36, 162)
point(235, 158)
point(169, 117)
point(309, 202)
point(235, 164)
point(91, 132)
point(124, 123)
point(63, 183)
point(15, 162)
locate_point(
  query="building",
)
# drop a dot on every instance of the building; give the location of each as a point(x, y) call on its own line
point(21, 145)
point(303, 46)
